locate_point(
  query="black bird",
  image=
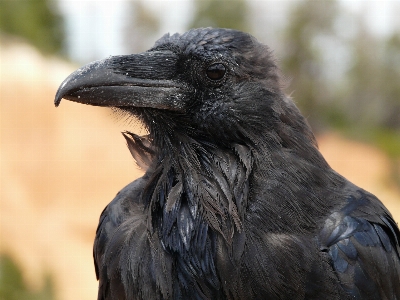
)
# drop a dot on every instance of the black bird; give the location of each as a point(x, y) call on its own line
point(237, 202)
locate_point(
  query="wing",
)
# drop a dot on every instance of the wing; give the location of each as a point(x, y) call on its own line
point(110, 220)
point(362, 242)
point(130, 263)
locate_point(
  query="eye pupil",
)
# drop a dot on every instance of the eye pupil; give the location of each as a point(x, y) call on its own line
point(216, 71)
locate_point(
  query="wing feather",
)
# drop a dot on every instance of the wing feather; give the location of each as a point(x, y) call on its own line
point(363, 248)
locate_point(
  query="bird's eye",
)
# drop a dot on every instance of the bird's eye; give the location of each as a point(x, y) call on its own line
point(216, 71)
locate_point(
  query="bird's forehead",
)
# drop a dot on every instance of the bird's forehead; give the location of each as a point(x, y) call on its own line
point(203, 41)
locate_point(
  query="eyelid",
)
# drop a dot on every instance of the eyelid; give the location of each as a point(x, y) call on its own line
point(216, 71)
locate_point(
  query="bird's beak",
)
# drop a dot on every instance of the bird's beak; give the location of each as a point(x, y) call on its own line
point(140, 80)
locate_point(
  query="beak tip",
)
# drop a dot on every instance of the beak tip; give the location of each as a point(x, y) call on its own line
point(57, 99)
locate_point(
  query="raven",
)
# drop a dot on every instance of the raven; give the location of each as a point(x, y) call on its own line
point(236, 202)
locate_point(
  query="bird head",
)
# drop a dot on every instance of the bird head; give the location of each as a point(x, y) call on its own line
point(218, 85)
point(199, 82)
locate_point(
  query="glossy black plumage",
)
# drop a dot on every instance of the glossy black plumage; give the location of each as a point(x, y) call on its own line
point(236, 202)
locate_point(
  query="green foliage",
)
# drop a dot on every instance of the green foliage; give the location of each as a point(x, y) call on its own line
point(334, 115)
point(372, 98)
point(12, 286)
point(390, 81)
point(221, 13)
point(365, 97)
point(387, 139)
point(364, 89)
point(302, 60)
point(34, 20)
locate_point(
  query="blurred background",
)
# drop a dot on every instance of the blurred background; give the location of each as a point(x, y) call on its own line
point(60, 167)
